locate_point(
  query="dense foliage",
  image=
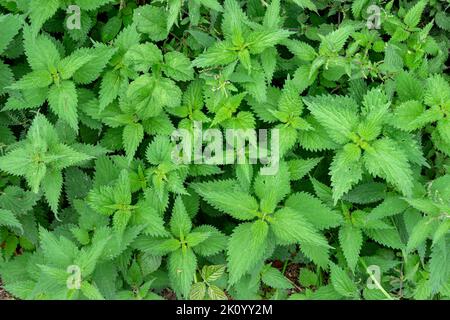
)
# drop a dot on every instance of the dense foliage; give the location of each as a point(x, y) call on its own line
point(92, 205)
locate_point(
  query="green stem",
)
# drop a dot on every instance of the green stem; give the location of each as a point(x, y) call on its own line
point(285, 266)
point(379, 286)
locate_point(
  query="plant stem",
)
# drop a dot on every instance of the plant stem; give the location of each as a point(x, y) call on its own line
point(379, 286)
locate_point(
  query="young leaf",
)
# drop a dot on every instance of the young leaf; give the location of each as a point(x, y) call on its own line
point(180, 223)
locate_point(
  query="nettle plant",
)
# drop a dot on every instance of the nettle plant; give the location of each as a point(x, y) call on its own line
point(94, 206)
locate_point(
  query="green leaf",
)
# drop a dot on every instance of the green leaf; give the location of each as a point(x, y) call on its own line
point(6, 80)
point(250, 238)
point(91, 291)
point(151, 20)
point(157, 246)
point(346, 170)
point(100, 56)
point(357, 7)
point(309, 4)
point(307, 278)
point(439, 266)
point(342, 283)
point(150, 94)
point(35, 174)
point(89, 257)
point(41, 51)
point(258, 41)
point(159, 150)
point(238, 204)
point(350, 240)
point(177, 66)
point(408, 87)
point(110, 88)
point(212, 273)
point(375, 108)
point(195, 238)
point(272, 15)
point(120, 220)
point(34, 79)
point(408, 115)
point(384, 159)
point(59, 252)
point(316, 139)
point(133, 134)
point(318, 255)
point(412, 17)
point(147, 215)
point(301, 49)
point(441, 231)
point(217, 241)
point(198, 291)
point(8, 219)
point(182, 268)
point(298, 168)
point(275, 279)
point(11, 26)
point(52, 186)
point(443, 20)
point(443, 126)
point(269, 62)
point(173, 13)
point(66, 156)
point(368, 192)
point(71, 64)
point(41, 11)
point(338, 115)
point(218, 54)
point(420, 233)
point(180, 223)
point(215, 293)
point(334, 41)
point(63, 101)
point(272, 189)
point(212, 4)
point(15, 162)
point(321, 216)
point(387, 237)
point(143, 56)
point(290, 226)
point(391, 206)
point(92, 4)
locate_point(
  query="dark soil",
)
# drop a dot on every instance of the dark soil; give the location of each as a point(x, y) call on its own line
point(168, 294)
point(3, 294)
point(292, 272)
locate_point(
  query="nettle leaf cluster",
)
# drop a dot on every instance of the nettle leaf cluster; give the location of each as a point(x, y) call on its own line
point(93, 205)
